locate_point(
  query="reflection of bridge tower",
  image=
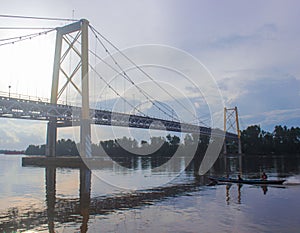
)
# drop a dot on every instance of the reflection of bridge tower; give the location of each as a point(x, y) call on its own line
point(54, 214)
point(81, 27)
point(231, 122)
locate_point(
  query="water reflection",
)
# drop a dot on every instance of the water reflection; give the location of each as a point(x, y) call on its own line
point(252, 166)
point(57, 211)
point(68, 210)
point(229, 192)
point(264, 189)
point(50, 178)
point(239, 193)
point(63, 210)
point(85, 197)
point(228, 186)
point(239, 196)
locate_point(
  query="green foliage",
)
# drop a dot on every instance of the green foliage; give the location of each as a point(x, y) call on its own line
point(158, 146)
point(66, 147)
point(254, 140)
point(281, 141)
point(35, 150)
point(173, 141)
point(63, 147)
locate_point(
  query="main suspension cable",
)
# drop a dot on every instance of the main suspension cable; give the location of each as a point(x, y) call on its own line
point(146, 74)
point(17, 39)
point(36, 18)
point(111, 87)
point(125, 75)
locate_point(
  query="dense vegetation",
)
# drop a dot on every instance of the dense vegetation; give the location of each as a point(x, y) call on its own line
point(281, 141)
point(125, 146)
point(63, 147)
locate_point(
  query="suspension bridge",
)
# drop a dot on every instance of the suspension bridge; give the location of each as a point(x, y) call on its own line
point(74, 38)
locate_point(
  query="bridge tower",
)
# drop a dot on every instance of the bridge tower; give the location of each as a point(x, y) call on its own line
point(231, 122)
point(81, 27)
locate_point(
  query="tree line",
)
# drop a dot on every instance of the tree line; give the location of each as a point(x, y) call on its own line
point(282, 141)
point(63, 148)
point(156, 146)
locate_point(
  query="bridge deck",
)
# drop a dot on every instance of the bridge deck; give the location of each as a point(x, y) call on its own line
point(67, 115)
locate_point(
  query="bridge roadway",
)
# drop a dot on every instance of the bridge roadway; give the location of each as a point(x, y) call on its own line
point(67, 115)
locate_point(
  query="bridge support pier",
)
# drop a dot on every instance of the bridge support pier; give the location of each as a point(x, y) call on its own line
point(239, 145)
point(85, 138)
point(225, 147)
point(51, 138)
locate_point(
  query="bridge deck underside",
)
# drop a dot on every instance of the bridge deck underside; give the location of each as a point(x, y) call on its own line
point(66, 115)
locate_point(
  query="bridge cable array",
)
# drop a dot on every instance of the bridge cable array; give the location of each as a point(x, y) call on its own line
point(125, 75)
point(116, 92)
point(37, 18)
point(13, 40)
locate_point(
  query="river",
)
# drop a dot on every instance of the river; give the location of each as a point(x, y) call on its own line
point(35, 199)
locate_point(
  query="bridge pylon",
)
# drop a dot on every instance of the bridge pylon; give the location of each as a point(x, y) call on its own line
point(62, 38)
point(231, 122)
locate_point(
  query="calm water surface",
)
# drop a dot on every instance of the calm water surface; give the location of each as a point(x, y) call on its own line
point(73, 200)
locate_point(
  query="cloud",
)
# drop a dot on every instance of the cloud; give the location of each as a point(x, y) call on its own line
point(263, 34)
point(269, 119)
point(18, 134)
point(265, 100)
point(255, 60)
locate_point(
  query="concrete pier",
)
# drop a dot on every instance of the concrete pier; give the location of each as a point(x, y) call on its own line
point(44, 161)
point(67, 162)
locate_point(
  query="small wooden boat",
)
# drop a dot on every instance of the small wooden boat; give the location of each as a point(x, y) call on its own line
point(245, 181)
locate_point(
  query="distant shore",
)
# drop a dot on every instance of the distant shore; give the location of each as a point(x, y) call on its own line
point(12, 152)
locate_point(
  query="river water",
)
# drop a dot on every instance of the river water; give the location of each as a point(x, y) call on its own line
point(35, 199)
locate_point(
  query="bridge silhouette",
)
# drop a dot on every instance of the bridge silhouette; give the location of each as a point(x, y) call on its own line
point(58, 114)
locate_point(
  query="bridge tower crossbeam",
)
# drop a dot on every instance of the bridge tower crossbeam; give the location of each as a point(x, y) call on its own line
point(81, 27)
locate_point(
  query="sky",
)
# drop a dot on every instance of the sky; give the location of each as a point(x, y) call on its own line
point(250, 48)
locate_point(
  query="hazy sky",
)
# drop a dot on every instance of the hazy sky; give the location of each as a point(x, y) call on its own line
point(251, 49)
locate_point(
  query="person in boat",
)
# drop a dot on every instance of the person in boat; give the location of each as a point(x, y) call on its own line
point(264, 176)
point(239, 177)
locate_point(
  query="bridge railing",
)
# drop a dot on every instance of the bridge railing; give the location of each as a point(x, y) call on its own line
point(30, 97)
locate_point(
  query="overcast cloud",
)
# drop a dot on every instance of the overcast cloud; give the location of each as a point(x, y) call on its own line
point(250, 47)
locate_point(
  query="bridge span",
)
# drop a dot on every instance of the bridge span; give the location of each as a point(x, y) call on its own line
point(66, 116)
point(74, 39)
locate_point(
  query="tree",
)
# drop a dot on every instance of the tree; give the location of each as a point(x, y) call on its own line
point(173, 141)
point(267, 143)
point(35, 150)
point(252, 140)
